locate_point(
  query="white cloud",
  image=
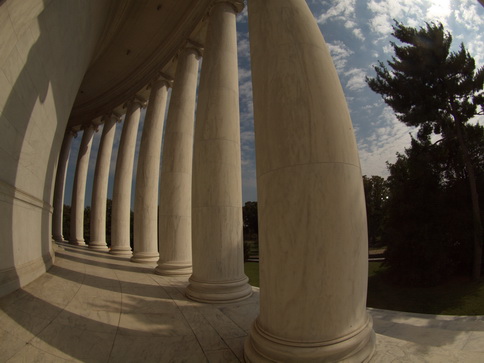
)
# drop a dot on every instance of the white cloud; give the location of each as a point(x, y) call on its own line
point(350, 24)
point(356, 79)
point(340, 53)
point(387, 138)
point(340, 9)
point(384, 11)
point(243, 46)
point(466, 14)
point(469, 15)
point(371, 106)
point(475, 48)
point(439, 10)
point(358, 33)
point(242, 16)
point(344, 11)
point(387, 49)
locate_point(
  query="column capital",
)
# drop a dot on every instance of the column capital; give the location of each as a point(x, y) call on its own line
point(162, 78)
point(193, 46)
point(94, 126)
point(71, 132)
point(237, 5)
point(111, 116)
point(136, 99)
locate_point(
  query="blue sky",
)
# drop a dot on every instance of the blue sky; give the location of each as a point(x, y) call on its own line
point(357, 33)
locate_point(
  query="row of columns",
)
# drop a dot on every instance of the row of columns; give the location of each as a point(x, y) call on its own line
point(313, 243)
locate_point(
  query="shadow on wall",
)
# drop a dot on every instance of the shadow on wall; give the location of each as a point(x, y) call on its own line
point(38, 61)
point(16, 115)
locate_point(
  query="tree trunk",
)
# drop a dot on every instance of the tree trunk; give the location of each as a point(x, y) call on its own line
point(476, 213)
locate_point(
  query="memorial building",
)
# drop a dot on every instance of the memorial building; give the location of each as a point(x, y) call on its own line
point(73, 68)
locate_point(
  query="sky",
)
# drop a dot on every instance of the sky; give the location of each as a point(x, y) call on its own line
point(358, 35)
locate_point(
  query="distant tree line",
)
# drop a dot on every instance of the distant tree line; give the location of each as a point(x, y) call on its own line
point(249, 211)
point(66, 226)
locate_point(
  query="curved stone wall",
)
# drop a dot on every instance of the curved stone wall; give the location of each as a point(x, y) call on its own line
point(45, 50)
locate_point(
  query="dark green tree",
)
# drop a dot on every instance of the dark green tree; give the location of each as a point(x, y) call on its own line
point(251, 224)
point(376, 197)
point(418, 250)
point(429, 222)
point(439, 91)
point(109, 209)
point(87, 224)
point(66, 222)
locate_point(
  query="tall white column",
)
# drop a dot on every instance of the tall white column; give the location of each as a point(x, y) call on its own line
point(79, 187)
point(100, 186)
point(312, 221)
point(218, 259)
point(145, 247)
point(121, 207)
point(175, 227)
point(60, 181)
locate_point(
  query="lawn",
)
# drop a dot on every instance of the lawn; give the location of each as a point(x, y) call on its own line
point(458, 296)
point(252, 272)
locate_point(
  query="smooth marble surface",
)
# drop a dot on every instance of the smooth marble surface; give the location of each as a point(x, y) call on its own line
point(147, 177)
point(100, 186)
point(45, 49)
point(175, 222)
point(79, 187)
point(92, 306)
point(217, 239)
point(60, 180)
point(120, 225)
point(312, 218)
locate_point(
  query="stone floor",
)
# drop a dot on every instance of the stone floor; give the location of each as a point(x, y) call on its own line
point(95, 307)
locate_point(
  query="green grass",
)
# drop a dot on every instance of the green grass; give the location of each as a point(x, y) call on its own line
point(252, 272)
point(458, 296)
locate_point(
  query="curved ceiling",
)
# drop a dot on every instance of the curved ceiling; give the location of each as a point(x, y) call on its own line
point(140, 39)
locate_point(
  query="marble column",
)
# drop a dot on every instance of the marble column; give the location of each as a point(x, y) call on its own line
point(145, 249)
point(60, 181)
point(121, 207)
point(218, 259)
point(175, 227)
point(312, 219)
point(100, 186)
point(79, 187)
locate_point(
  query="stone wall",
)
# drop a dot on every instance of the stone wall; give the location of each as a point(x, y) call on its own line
point(45, 49)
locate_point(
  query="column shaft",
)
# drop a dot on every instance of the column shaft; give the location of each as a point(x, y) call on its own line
point(79, 188)
point(100, 187)
point(121, 208)
point(218, 261)
point(60, 181)
point(312, 221)
point(147, 177)
point(175, 234)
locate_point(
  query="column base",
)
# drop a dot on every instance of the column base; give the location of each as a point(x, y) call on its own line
point(174, 268)
point(355, 347)
point(120, 251)
point(145, 257)
point(58, 238)
point(219, 292)
point(98, 246)
point(78, 242)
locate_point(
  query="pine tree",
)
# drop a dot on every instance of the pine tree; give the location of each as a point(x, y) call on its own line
point(439, 91)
